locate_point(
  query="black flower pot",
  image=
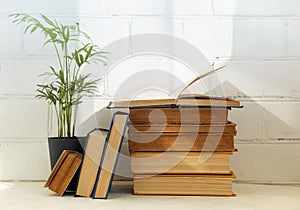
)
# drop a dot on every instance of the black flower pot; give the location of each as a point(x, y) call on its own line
point(58, 145)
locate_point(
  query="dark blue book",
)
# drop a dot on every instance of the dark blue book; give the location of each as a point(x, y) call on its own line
point(110, 155)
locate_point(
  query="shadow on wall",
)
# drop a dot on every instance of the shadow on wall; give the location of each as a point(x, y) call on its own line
point(264, 120)
point(256, 121)
point(256, 160)
point(275, 84)
point(253, 119)
point(99, 119)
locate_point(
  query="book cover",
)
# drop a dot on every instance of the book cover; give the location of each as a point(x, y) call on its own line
point(110, 155)
point(153, 163)
point(93, 152)
point(181, 142)
point(201, 185)
point(63, 172)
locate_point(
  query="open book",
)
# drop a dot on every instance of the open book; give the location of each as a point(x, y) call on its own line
point(182, 99)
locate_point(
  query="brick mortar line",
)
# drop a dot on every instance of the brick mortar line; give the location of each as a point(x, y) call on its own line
point(21, 141)
point(267, 142)
point(180, 17)
point(255, 99)
point(211, 58)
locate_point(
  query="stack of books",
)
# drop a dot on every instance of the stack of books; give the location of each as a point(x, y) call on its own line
point(181, 146)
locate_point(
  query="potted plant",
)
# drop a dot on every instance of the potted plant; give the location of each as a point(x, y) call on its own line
point(65, 85)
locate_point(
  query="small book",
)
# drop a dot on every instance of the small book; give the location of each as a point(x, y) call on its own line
point(63, 171)
point(91, 161)
point(110, 156)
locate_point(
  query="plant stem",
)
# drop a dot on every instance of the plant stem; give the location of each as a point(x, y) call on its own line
point(57, 118)
point(57, 53)
point(74, 119)
point(68, 85)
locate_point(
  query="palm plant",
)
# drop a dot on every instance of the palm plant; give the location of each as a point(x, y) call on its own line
point(65, 86)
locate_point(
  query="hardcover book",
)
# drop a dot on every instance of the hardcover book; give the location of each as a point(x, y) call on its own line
point(180, 163)
point(63, 171)
point(212, 185)
point(91, 161)
point(154, 115)
point(226, 128)
point(181, 142)
point(110, 157)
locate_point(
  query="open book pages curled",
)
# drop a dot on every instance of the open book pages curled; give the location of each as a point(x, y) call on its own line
point(182, 99)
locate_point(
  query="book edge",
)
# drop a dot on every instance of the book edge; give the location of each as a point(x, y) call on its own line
point(104, 151)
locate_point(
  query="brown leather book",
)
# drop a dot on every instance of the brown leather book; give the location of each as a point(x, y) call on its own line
point(212, 185)
point(63, 171)
point(153, 163)
point(191, 115)
point(226, 128)
point(180, 142)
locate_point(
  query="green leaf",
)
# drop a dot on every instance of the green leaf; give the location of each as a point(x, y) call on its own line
point(64, 86)
point(47, 20)
point(28, 27)
point(33, 29)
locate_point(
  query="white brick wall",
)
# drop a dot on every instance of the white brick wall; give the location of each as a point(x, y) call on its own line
point(19, 75)
point(293, 41)
point(23, 119)
point(55, 7)
point(159, 7)
point(212, 36)
point(267, 163)
point(258, 40)
point(257, 8)
point(266, 78)
point(9, 31)
point(157, 25)
point(24, 160)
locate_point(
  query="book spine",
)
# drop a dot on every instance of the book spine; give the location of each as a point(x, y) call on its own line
point(80, 167)
point(104, 151)
point(179, 116)
point(101, 162)
point(117, 158)
point(182, 143)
